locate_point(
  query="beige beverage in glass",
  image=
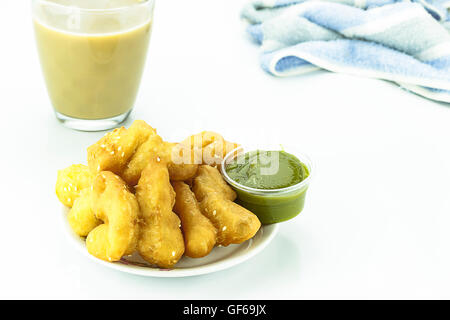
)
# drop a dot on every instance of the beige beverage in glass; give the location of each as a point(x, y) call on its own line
point(92, 55)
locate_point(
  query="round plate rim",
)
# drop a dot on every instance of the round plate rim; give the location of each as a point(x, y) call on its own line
point(269, 233)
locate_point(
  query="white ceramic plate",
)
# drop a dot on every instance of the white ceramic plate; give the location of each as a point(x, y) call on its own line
point(219, 259)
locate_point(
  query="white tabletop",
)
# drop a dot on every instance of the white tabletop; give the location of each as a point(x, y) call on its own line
point(376, 223)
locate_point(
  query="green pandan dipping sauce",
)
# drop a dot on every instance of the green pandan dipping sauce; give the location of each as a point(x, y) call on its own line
point(269, 183)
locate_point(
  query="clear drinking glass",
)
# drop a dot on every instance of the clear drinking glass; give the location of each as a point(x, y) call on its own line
point(92, 56)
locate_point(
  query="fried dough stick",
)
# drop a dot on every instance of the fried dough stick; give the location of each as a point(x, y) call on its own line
point(126, 152)
point(155, 146)
point(234, 223)
point(199, 233)
point(81, 217)
point(71, 181)
point(115, 149)
point(118, 208)
point(179, 170)
point(209, 147)
point(209, 181)
point(161, 241)
point(139, 160)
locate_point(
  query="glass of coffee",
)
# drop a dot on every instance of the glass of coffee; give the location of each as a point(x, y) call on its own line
point(92, 55)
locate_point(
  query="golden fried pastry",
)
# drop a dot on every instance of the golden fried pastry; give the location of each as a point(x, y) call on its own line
point(71, 181)
point(161, 241)
point(199, 233)
point(234, 223)
point(180, 161)
point(208, 181)
point(153, 146)
point(156, 147)
point(182, 172)
point(126, 152)
point(214, 153)
point(117, 207)
point(116, 222)
point(209, 147)
point(202, 139)
point(81, 217)
point(114, 150)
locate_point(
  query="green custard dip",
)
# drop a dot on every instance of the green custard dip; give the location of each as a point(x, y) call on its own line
point(271, 184)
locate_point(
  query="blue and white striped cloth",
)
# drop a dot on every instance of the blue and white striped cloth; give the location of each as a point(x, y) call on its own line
point(407, 42)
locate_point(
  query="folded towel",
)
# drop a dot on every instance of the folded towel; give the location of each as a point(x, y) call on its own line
point(401, 41)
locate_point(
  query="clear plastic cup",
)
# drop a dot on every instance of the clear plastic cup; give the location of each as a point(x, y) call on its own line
point(270, 205)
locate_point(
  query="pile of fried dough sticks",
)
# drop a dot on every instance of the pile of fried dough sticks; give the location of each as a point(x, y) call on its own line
point(161, 199)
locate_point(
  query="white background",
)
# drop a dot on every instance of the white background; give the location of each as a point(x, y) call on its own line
point(377, 220)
